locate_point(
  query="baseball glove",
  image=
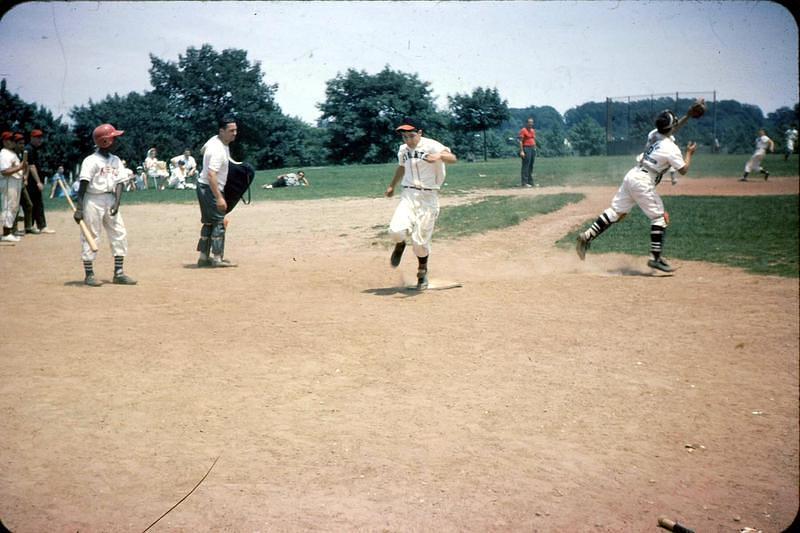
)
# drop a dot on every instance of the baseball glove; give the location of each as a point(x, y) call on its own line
point(697, 110)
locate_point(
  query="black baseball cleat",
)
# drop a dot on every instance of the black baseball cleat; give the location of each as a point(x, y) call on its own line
point(91, 281)
point(397, 254)
point(203, 263)
point(581, 245)
point(123, 279)
point(660, 264)
point(422, 279)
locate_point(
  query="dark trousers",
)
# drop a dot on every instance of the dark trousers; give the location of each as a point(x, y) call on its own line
point(212, 234)
point(527, 165)
point(34, 211)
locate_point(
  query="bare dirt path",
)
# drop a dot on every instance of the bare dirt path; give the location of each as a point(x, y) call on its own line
point(545, 394)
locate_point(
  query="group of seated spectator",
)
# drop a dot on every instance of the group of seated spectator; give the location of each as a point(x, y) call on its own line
point(179, 173)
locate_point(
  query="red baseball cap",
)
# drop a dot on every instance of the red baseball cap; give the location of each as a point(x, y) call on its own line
point(409, 124)
point(37, 133)
point(7, 135)
point(19, 137)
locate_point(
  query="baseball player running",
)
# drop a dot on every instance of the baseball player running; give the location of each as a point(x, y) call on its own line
point(421, 166)
point(763, 143)
point(639, 187)
point(102, 178)
point(790, 137)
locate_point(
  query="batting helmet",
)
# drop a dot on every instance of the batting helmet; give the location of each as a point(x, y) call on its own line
point(104, 134)
point(665, 121)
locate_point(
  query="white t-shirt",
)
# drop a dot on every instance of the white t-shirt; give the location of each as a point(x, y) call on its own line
point(8, 159)
point(188, 162)
point(103, 173)
point(419, 173)
point(215, 157)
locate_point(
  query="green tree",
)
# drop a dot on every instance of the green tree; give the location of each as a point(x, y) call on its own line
point(477, 112)
point(587, 137)
point(204, 85)
point(144, 118)
point(59, 142)
point(361, 112)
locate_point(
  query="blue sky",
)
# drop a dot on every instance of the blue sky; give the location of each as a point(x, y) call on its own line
point(558, 53)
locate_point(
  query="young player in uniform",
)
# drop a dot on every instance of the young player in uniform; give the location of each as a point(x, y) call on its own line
point(102, 178)
point(763, 143)
point(12, 172)
point(639, 187)
point(421, 166)
point(790, 137)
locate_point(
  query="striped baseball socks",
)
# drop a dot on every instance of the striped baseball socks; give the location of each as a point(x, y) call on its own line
point(118, 259)
point(88, 268)
point(656, 241)
point(602, 223)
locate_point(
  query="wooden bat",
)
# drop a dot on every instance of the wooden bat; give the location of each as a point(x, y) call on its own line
point(673, 526)
point(84, 228)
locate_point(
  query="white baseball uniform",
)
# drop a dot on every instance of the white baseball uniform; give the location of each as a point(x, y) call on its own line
point(754, 163)
point(791, 138)
point(418, 209)
point(639, 184)
point(10, 187)
point(215, 157)
point(103, 174)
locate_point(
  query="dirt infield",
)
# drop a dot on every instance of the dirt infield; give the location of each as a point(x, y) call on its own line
point(545, 394)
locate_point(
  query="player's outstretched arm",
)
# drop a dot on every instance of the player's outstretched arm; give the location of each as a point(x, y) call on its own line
point(690, 149)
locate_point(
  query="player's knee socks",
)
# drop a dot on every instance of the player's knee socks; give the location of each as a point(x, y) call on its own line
point(656, 240)
point(118, 259)
point(423, 262)
point(88, 268)
point(603, 222)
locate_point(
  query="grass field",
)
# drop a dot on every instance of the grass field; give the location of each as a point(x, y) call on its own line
point(757, 233)
point(371, 180)
point(497, 212)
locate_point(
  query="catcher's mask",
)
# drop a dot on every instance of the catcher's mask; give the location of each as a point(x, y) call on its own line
point(665, 121)
point(104, 134)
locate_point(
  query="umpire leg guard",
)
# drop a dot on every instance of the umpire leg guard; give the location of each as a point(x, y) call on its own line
point(218, 239)
point(204, 244)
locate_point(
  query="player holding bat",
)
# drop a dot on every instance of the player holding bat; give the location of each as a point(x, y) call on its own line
point(639, 185)
point(99, 194)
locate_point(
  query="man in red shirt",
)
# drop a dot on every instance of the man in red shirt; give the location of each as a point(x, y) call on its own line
point(527, 151)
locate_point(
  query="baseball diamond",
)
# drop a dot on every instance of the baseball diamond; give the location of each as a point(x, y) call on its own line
point(337, 401)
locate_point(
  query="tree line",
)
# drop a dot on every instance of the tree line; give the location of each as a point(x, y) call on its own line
point(357, 121)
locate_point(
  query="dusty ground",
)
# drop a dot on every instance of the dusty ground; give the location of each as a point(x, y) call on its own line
point(545, 394)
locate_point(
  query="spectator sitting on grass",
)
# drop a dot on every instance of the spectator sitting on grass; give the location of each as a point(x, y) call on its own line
point(288, 180)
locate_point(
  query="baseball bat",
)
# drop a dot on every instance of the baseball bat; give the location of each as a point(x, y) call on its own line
point(84, 228)
point(25, 180)
point(673, 526)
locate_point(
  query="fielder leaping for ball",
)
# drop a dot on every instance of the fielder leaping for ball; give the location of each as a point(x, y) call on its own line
point(639, 185)
point(421, 166)
point(102, 178)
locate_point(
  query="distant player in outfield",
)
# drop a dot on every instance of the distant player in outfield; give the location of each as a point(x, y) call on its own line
point(527, 151)
point(102, 178)
point(790, 137)
point(763, 143)
point(421, 167)
point(639, 187)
